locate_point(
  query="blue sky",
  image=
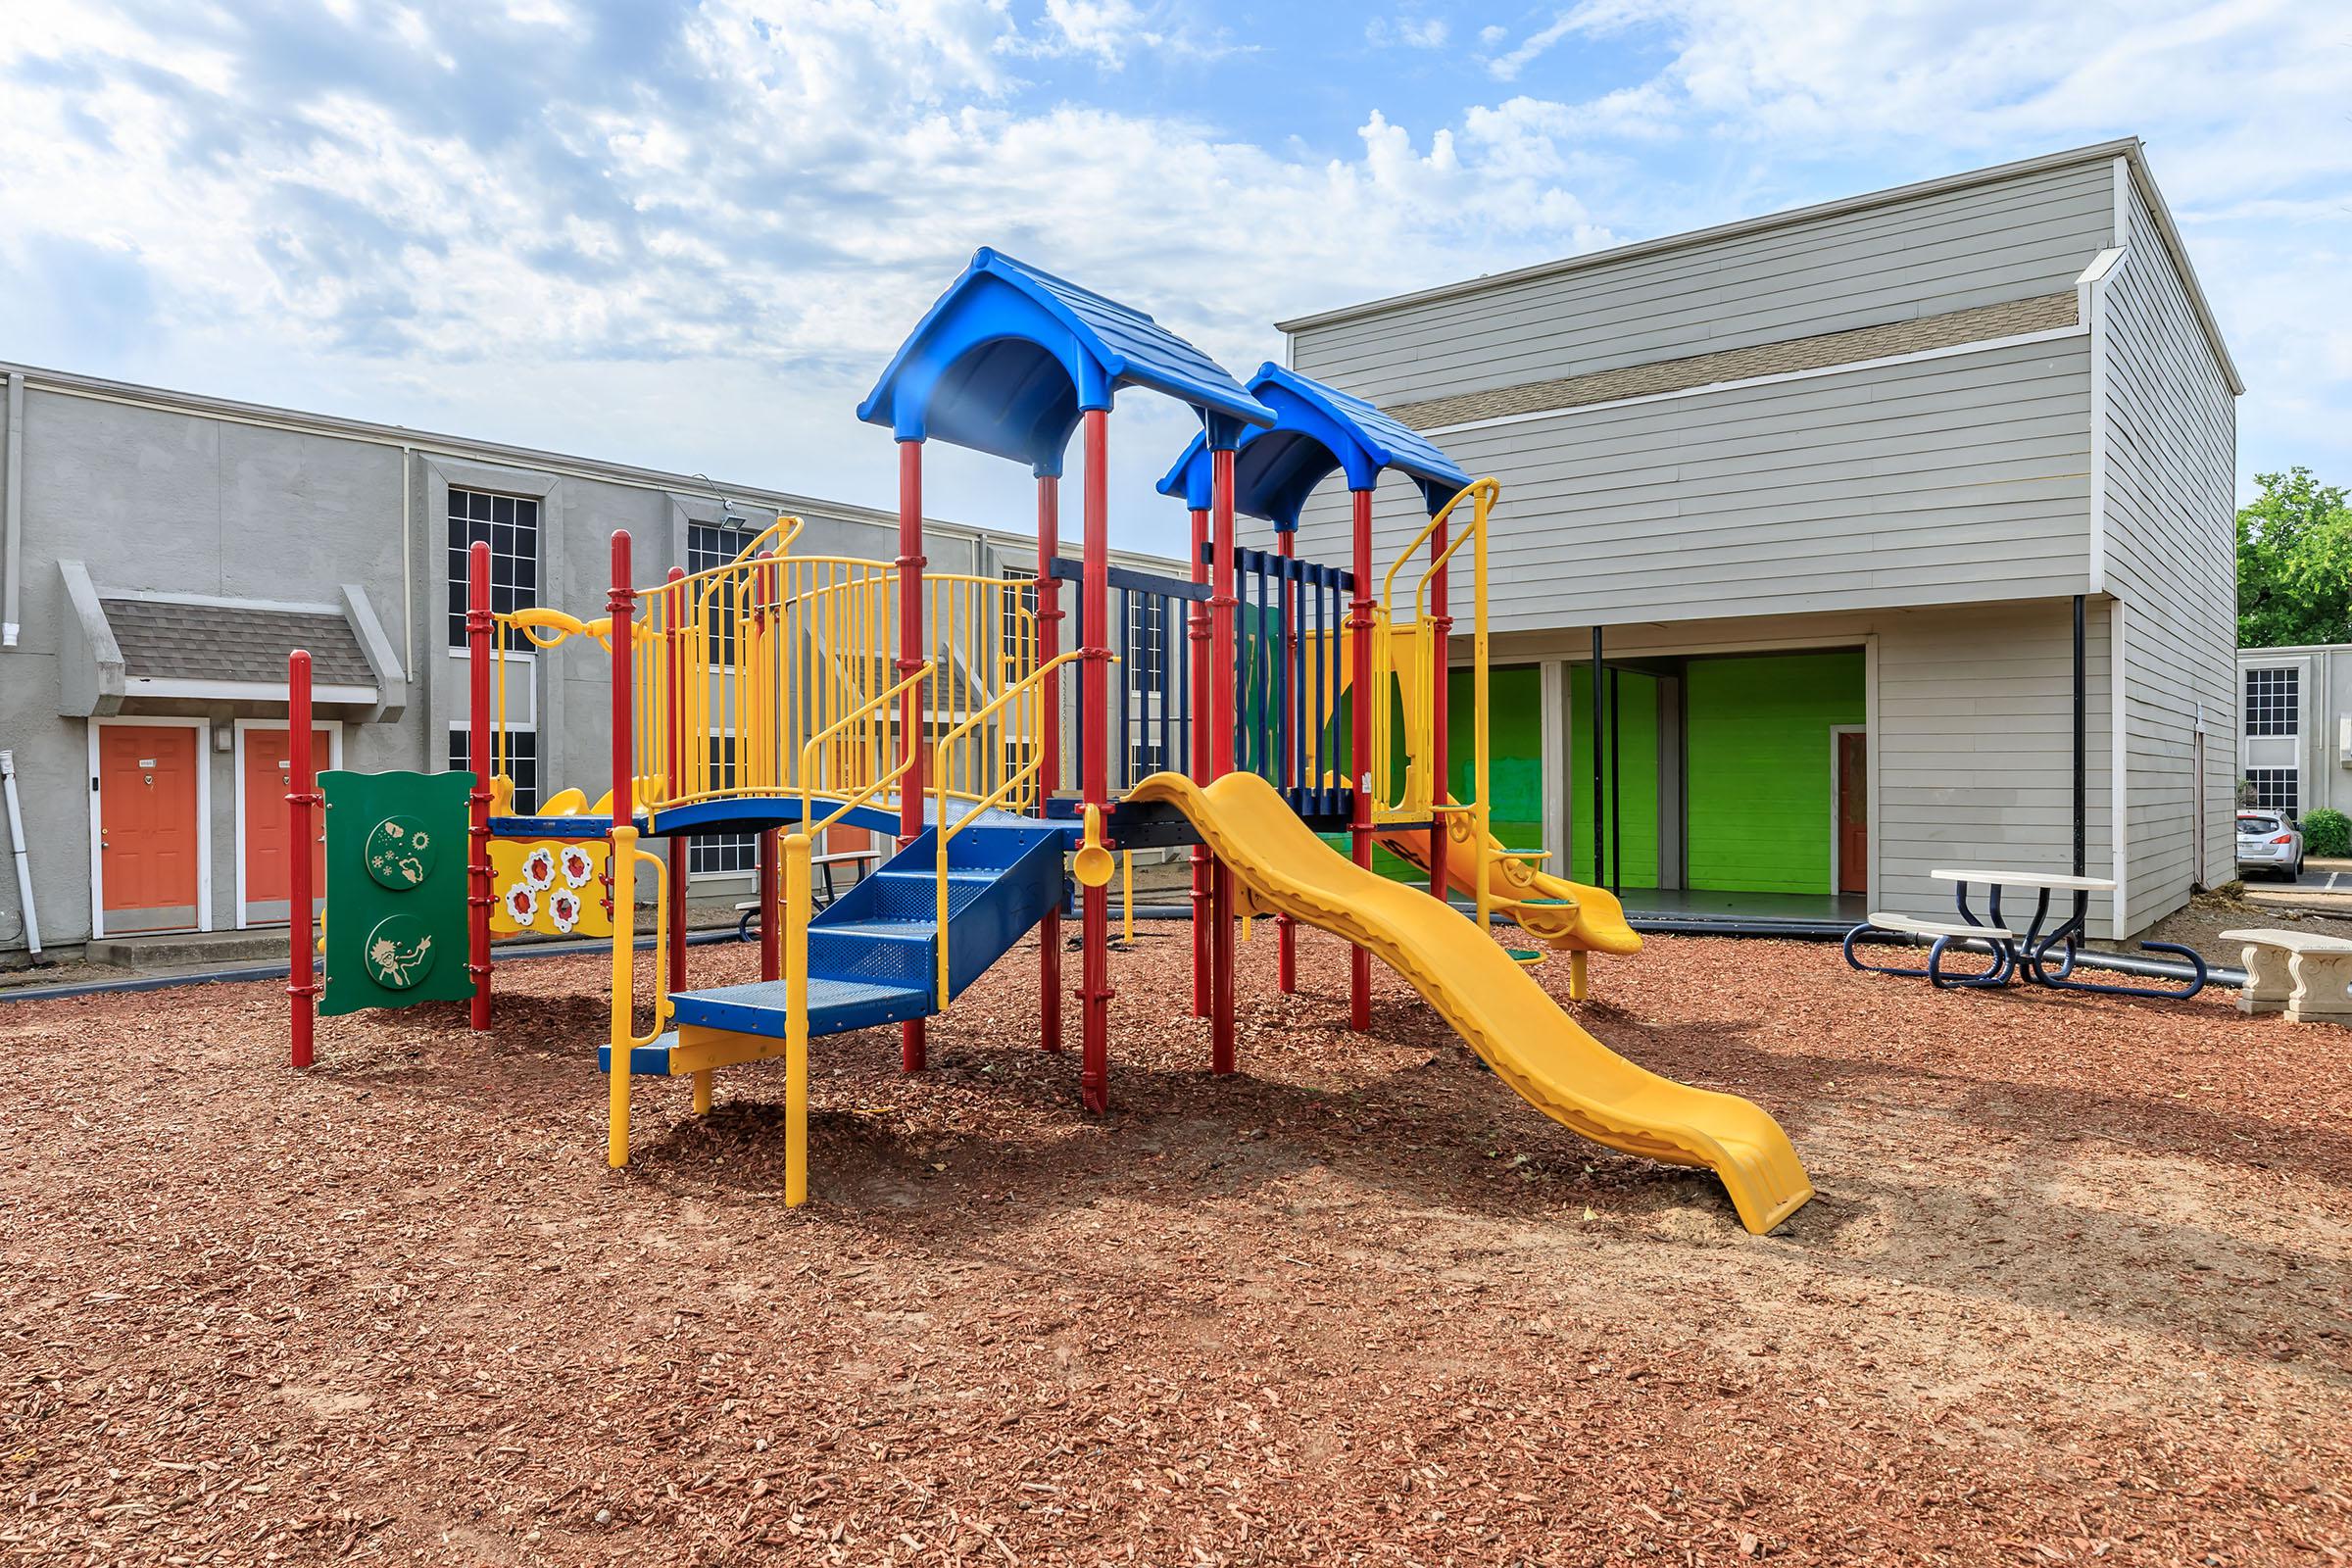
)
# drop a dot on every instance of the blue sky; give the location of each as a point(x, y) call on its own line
point(689, 235)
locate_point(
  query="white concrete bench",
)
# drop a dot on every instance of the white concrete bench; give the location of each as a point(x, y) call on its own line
point(1912, 925)
point(2305, 977)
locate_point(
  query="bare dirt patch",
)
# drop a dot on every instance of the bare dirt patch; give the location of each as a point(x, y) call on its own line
point(2076, 1286)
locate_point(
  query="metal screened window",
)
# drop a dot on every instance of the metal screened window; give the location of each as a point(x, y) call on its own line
point(709, 545)
point(722, 853)
point(2276, 788)
point(2274, 701)
point(1147, 650)
point(522, 760)
point(510, 526)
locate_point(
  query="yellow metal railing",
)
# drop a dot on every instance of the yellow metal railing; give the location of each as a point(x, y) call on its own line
point(625, 1037)
point(1017, 709)
point(1408, 660)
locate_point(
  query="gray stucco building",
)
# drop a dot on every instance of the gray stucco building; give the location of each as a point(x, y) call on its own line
point(164, 551)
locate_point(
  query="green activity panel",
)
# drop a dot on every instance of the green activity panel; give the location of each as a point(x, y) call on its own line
point(394, 889)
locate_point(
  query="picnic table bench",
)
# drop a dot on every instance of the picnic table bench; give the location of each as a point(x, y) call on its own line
point(2306, 976)
point(2044, 957)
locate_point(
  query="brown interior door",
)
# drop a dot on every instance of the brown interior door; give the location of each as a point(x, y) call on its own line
point(1853, 812)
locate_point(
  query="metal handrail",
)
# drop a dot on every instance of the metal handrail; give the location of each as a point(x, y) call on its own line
point(879, 702)
point(1423, 792)
point(1013, 780)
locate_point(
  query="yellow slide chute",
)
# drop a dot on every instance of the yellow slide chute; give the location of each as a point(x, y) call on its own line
point(1551, 910)
point(1503, 1015)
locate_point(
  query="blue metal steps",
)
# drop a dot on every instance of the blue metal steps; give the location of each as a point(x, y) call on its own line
point(873, 952)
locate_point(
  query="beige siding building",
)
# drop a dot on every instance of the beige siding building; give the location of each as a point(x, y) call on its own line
point(1908, 429)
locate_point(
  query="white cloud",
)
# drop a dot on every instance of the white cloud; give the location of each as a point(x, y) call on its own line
point(1407, 33)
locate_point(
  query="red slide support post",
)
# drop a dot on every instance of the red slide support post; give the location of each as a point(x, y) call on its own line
point(679, 850)
point(1360, 741)
point(912, 1040)
point(1093, 769)
point(302, 796)
point(1286, 929)
point(1049, 746)
point(478, 626)
point(1224, 682)
point(620, 603)
point(1441, 630)
point(1199, 721)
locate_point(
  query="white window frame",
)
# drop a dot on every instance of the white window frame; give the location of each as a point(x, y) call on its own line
point(204, 818)
point(459, 727)
point(335, 758)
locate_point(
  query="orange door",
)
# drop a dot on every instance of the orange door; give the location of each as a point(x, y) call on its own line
point(267, 877)
point(147, 838)
point(1853, 812)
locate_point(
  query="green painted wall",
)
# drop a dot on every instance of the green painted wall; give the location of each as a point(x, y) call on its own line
point(1635, 834)
point(1758, 744)
point(1514, 750)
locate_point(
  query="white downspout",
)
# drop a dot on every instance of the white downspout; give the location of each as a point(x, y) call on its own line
point(12, 520)
point(15, 837)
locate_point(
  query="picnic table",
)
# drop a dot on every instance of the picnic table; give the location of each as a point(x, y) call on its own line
point(2044, 957)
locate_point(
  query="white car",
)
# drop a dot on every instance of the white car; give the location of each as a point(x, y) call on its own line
point(2268, 841)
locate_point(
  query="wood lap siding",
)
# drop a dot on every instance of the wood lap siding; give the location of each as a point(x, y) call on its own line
point(2170, 426)
point(1980, 245)
point(1956, 478)
point(1976, 747)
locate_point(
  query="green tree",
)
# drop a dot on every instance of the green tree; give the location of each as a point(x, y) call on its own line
point(2295, 563)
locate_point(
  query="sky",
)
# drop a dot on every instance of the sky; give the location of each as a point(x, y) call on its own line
point(688, 236)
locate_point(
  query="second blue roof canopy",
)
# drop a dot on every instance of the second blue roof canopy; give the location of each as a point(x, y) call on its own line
point(1317, 429)
point(1009, 358)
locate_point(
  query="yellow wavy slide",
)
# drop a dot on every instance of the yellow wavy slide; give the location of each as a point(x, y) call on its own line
point(1550, 908)
point(1504, 1015)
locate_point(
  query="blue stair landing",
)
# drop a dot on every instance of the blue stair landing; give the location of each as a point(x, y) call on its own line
point(873, 952)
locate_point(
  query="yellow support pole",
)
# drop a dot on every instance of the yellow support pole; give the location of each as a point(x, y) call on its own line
point(796, 1028)
point(624, 989)
point(1127, 897)
point(702, 1093)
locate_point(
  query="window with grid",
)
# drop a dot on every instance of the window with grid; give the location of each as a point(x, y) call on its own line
point(1017, 625)
point(2274, 700)
point(1147, 640)
point(522, 762)
point(722, 853)
point(510, 526)
point(2276, 788)
point(709, 545)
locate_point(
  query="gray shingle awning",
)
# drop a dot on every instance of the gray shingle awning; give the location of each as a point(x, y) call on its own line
point(127, 651)
point(174, 640)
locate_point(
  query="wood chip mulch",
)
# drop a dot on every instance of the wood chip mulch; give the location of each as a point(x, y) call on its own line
point(2078, 1286)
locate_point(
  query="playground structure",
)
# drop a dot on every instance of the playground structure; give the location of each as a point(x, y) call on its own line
point(1308, 700)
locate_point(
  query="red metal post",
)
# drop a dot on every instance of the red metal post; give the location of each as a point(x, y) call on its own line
point(1048, 742)
point(912, 705)
point(1224, 681)
point(1359, 740)
point(679, 851)
point(771, 912)
point(620, 603)
point(1202, 718)
point(1093, 769)
point(1286, 929)
point(1440, 629)
point(478, 651)
point(302, 794)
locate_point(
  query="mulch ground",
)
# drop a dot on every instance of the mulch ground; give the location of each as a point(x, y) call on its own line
point(2078, 1286)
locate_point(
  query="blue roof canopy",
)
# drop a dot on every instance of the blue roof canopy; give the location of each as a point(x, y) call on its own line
point(1010, 356)
point(1316, 429)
